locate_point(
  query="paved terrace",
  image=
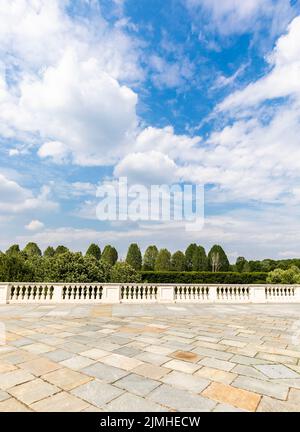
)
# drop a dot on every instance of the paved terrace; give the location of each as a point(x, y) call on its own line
point(150, 357)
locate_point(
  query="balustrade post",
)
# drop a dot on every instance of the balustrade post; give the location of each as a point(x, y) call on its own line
point(258, 294)
point(111, 294)
point(166, 294)
point(57, 293)
point(4, 293)
point(212, 294)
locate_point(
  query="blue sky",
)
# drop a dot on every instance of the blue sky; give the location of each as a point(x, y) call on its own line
point(197, 91)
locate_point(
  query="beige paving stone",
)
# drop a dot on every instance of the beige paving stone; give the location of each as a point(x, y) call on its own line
point(95, 353)
point(157, 349)
point(227, 394)
point(13, 378)
point(12, 405)
point(276, 358)
point(40, 366)
point(216, 375)
point(182, 366)
point(151, 371)
point(66, 379)
point(61, 402)
point(122, 362)
point(38, 348)
point(6, 367)
point(77, 362)
point(33, 391)
point(232, 342)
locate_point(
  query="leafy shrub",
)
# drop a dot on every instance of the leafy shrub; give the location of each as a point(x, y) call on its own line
point(204, 277)
point(123, 272)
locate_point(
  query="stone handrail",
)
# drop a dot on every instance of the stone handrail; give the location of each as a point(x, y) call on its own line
point(21, 292)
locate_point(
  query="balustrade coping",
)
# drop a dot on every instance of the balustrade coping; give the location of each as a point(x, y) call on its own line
point(148, 284)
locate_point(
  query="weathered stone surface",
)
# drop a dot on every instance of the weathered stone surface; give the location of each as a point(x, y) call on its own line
point(33, 391)
point(97, 392)
point(262, 387)
point(137, 384)
point(230, 395)
point(66, 379)
point(180, 400)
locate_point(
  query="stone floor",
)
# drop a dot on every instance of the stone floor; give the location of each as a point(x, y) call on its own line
point(150, 357)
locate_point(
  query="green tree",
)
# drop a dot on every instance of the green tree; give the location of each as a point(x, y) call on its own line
point(240, 264)
point(123, 272)
point(134, 257)
point(94, 251)
point(189, 253)
point(61, 250)
point(49, 252)
point(13, 268)
point(109, 255)
point(163, 260)
point(12, 250)
point(32, 249)
point(150, 256)
point(217, 259)
point(178, 261)
point(73, 267)
point(289, 276)
point(199, 259)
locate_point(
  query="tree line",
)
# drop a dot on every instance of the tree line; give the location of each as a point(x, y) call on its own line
point(62, 265)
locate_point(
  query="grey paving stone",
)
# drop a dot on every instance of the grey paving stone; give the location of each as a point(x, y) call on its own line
point(186, 381)
point(208, 352)
point(155, 359)
point(97, 393)
point(59, 355)
point(267, 388)
point(130, 402)
point(245, 360)
point(249, 371)
point(217, 364)
point(180, 400)
point(277, 371)
point(128, 351)
point(137, 384)
point(104, 372)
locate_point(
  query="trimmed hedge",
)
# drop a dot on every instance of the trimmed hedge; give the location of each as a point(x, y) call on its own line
point(204, 277)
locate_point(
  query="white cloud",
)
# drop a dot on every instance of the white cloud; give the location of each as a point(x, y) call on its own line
point(17, 199)
point(240, 16)
point(281, 81)
point(56, 150)
point(151, 167)
point(34, 225)
point(70, 92)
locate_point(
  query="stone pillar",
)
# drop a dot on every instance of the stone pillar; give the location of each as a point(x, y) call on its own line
point(212, 294)
point(257, 294)
point(166, 294)
point(111, 294)
point(4, 293)
point(57, 294)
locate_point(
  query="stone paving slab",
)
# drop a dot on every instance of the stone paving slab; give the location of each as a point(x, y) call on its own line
point(179, 357)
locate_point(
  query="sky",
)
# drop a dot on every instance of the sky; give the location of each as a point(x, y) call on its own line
point(174, 91)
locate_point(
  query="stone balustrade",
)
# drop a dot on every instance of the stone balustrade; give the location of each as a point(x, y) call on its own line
point(146, 293)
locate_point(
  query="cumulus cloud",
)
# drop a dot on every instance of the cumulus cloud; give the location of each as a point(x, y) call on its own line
point(17, 199)
point(150, 167)
point(70, 93)
point(34, 225)
point(236, 16)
